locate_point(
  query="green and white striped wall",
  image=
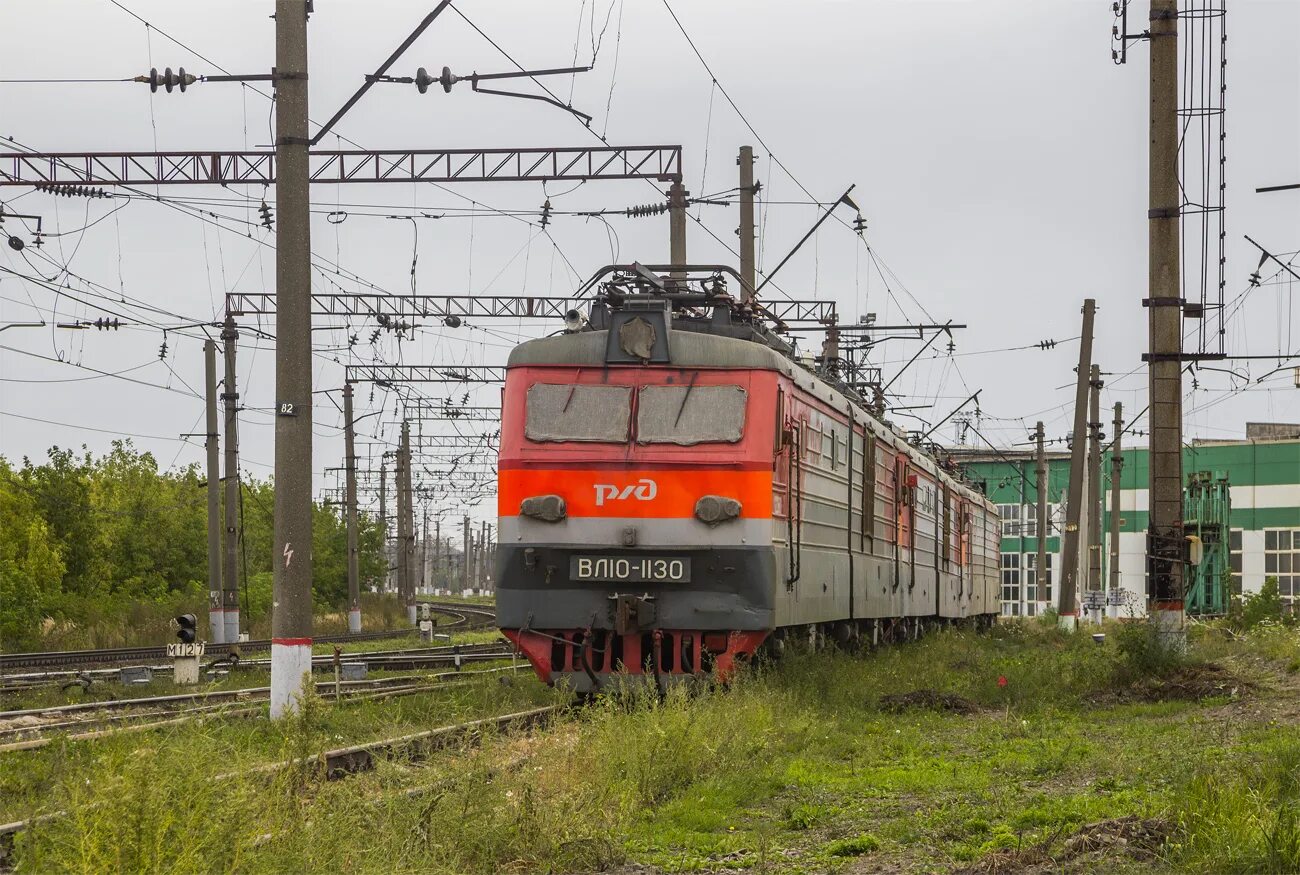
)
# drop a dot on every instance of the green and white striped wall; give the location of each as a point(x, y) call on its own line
point(1264, 477)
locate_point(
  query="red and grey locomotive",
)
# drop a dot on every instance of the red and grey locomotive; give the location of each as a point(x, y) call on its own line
point(676, 488)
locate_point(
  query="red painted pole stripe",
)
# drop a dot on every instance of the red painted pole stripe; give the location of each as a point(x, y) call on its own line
point(292, 642)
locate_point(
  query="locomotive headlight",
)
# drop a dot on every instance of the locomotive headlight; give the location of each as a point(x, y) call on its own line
point(547, 508)
point(714, 509)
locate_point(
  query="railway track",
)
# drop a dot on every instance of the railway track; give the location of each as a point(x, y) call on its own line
point(90, 720)
point(403, 659)
point(342, 762)
point(466, 617)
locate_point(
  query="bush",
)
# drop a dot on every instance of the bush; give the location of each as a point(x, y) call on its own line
point(1263, 606)
point(1143, 654)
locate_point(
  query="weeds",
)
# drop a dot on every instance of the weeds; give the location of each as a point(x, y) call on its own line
point(1244, 822)
point(792, 766)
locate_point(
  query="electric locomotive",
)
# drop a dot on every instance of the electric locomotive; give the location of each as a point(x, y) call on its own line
point(677, 488)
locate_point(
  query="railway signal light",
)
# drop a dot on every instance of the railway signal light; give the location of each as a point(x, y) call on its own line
point(187, 628)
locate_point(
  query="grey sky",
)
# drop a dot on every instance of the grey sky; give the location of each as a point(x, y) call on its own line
point(999, 157)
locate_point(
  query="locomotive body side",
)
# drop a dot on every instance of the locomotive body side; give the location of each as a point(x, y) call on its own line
point(865, 526)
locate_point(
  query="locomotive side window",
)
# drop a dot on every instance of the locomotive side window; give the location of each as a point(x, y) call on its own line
point(597, 414)
point(689, 415)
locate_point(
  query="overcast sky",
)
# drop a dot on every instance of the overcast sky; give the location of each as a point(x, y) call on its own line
point(999, 158)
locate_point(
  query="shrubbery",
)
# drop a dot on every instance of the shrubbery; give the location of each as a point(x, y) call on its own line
point(101, 551)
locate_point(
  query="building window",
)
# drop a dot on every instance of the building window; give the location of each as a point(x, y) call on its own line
point(1282, 560)
point(1010, 514)
point(1031, 579)
point(1011, 584)
point(1031, 521)
point(1234, 559)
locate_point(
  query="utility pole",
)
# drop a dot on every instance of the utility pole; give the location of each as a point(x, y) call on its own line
point(1041, 575)
point(424, 550)
point(405, 525)
point(1165, 312)
point(399, 535)
point(1094, 485)
point(747, 192)
point(291, 596)
point(1116, 478)
point(1069, 574)
point(216, 620)
point(350, 500)
point(469, 558)
point(383, 525)
point(677, 229)
point(437, 552)
point(229, 570)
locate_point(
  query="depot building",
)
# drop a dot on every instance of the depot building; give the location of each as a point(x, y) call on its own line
point(1258, 478)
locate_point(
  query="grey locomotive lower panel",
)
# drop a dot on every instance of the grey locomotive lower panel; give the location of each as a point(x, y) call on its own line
point(741, 588)
point(731, 588)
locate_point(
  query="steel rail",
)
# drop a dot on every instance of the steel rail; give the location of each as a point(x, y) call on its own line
point(342, 762)
point(483, 616)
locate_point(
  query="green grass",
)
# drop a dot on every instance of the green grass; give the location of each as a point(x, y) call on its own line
point(793, 768)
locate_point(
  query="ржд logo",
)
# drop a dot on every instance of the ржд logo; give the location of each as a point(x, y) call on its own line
point(642, 490)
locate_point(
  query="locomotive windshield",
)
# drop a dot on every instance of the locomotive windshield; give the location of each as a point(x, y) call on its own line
point(571, 412)
point(688, 415)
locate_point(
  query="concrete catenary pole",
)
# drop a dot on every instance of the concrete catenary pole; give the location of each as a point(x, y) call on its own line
point(383, 526)
point(399, 535)
point(1116, 480)
point(230, 561)
point(437, 552)
point(469, 558)
point(1094, 486)
point(747, 192)
point(406, 526)
point(216, 619)
point(409, 545)
point(1041, 485)
point(291, 617)
point(677, 229)
point(425, 573)
point(1164, 309)
point(1069, 573)
point(350, 500)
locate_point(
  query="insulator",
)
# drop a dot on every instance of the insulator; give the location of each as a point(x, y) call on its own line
point(168, 79)
point(72, 190)
point(423, 80)
point(265, 212)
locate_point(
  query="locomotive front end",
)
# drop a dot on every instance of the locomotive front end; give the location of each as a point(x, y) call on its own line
point(635, 503)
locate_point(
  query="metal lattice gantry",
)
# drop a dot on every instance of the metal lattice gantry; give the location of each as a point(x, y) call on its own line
point(391, 374)
point(658, 163)
point(413, 306)
point(404, 306)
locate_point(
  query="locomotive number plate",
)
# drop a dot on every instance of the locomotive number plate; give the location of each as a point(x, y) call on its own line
point(630, 569)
